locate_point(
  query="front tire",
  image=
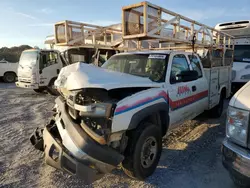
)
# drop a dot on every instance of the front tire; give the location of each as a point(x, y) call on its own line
point(51, 88)
point(239, 182)
point(9, 77)
point(40, 90)
point(143, 151)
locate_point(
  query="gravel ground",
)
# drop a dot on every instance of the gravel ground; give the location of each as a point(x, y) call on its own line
point(191, 155)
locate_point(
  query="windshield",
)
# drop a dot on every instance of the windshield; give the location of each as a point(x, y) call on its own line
point(242, 53)
point(28, 58)
point(152, 66)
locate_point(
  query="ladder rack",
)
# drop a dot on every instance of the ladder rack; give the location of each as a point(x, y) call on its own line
point(145, 26)
point(70, 33)
point(146, 21)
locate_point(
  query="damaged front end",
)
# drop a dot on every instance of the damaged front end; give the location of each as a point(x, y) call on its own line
point(90, 109)
point(78, 138)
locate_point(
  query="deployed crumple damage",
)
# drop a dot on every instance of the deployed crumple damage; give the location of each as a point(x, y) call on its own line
point(81, 75)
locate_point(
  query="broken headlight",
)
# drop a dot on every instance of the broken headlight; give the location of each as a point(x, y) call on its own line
point(90, 105)
point(95, 109)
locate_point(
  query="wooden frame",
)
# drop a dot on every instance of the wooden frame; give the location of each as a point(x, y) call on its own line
point(192, 28)
point(72, 33)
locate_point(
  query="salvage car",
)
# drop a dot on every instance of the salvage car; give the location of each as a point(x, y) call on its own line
point(116, 115)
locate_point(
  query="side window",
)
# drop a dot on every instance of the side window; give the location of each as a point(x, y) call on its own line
point(52, 58)
point(48, 59)
point(195, 63)
point(179, 64)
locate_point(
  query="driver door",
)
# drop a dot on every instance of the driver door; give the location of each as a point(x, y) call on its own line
point(181, 94)
point(49, 67)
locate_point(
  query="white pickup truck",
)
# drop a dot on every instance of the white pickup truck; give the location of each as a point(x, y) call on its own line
point(117, 114)
point(236, 146)
point(8, 71)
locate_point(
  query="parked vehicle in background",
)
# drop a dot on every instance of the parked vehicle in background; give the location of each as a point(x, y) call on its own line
point(39, 68)
point(236, 146)
point(241, 66)
point(117, 114)
point(8, 71)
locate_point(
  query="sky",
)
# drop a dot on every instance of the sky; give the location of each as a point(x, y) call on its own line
point(30, 21)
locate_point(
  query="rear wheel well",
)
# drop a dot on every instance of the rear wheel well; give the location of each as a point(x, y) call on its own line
point(223, 93)
point(10, 72)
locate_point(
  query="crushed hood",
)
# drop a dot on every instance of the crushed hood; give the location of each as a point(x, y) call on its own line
point(81, 75)
point(241, 98)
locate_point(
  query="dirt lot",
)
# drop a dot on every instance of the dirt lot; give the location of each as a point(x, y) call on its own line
point(191, 156)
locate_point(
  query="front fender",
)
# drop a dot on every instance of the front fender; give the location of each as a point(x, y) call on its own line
point(131, 111)
point(142, 114)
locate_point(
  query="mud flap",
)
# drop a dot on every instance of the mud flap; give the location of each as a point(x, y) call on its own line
point(36, 139)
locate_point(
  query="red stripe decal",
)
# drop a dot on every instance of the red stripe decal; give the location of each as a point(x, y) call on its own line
point(173, 104)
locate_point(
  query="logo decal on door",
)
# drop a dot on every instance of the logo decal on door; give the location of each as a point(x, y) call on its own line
point(183, 90)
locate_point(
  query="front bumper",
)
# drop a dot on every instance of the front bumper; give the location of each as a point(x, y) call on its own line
point(27, 85)
point(58, 157)
point(236, 159)
point(68, 148)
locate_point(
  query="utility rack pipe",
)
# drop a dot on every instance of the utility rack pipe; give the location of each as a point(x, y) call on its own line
point(146, 21)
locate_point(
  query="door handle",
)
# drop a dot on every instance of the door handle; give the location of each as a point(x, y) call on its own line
point(193, 88)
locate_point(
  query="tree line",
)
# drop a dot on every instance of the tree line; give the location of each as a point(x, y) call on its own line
point(12, 54)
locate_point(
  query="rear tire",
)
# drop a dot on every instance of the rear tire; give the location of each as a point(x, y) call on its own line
point(217, 111)
point(143, 151)
point(9, 77)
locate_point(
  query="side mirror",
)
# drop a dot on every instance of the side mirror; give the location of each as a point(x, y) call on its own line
point(187, 76)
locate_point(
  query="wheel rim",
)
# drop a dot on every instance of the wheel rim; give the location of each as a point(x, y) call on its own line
point(148, 152)
point(10, 78)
